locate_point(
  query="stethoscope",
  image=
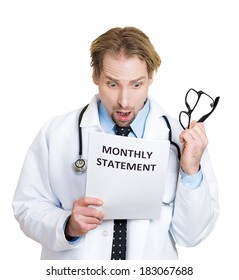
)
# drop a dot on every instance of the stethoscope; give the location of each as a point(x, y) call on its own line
point(80, 165)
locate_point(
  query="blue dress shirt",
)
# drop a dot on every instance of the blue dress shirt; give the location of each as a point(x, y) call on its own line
point(137, 126)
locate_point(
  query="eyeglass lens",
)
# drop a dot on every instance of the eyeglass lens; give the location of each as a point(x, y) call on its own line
point(201, 104)
point(199, 107)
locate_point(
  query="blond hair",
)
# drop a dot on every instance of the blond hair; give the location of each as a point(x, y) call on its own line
point(129, 41)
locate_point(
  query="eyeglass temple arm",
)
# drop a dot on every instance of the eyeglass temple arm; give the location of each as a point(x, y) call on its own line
point(203, 118)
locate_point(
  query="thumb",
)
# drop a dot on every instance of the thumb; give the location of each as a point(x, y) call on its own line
point(192, 124)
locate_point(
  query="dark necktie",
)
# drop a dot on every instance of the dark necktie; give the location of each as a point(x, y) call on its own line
point(120, 226)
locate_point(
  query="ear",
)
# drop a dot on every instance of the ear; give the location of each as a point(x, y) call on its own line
point(151, 80)
point(95, 80)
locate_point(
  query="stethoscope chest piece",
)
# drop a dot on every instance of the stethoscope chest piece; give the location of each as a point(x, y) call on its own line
point(80, 165)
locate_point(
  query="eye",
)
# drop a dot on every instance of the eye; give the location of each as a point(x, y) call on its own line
point(137, 85)
point(112, 84)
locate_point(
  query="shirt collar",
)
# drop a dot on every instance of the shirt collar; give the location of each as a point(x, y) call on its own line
point(106, 121)
point(138, 125)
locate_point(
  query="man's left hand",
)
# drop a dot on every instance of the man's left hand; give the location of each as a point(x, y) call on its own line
point(194, 141)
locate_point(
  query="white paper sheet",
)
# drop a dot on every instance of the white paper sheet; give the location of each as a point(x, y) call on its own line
point(128, 174)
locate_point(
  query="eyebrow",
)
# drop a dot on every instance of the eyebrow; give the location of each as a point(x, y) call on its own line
point(133, 81)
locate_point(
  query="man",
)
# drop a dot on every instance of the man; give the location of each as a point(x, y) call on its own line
point(50, 202)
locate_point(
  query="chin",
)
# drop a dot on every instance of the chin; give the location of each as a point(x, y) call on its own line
point(124, 124)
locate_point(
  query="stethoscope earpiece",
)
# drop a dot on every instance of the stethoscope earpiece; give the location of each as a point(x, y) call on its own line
point(80, 165)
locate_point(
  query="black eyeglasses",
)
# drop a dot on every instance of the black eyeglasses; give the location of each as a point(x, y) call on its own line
point(204, 108)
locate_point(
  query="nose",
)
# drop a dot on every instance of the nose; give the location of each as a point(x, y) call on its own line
point(123, 98)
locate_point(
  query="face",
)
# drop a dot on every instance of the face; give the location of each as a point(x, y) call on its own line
point(123, 87)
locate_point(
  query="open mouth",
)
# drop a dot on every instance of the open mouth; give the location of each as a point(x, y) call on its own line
point(123, 114)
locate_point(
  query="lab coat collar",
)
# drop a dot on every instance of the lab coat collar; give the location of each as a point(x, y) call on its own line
point(155, 127)
point(91, 116)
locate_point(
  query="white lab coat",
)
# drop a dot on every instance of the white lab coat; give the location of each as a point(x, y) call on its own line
point(48, 186)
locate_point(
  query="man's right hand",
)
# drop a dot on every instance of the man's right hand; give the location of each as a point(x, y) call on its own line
point(84, 218)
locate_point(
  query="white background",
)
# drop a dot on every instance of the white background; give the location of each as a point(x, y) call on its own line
point(44, 71)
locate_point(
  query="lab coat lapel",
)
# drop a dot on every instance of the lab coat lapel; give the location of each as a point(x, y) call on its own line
point(136, 238)
point(156, 127)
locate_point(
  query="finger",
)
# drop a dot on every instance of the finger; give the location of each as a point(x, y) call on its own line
point(185, 136)
point(78, 224)
point(196, 131)
point(86, 201)
point(91, 220)
point(87, 227)
point(198, 134)
point(192, 124)
point(197, 124)
point(92, 212)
